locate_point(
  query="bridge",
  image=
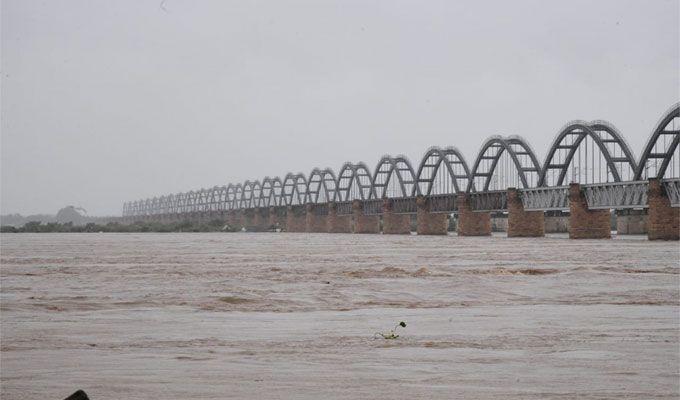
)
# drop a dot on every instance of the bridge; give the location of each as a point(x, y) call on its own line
point(589, 170)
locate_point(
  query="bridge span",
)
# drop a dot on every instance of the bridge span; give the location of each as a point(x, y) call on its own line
point(588, 172)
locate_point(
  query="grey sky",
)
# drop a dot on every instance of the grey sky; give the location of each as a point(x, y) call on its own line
point(108, 101)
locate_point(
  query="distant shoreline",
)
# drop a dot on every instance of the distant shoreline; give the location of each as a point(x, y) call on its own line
point(116, 227)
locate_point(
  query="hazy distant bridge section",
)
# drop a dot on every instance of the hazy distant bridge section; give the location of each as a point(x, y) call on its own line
point(589, 168)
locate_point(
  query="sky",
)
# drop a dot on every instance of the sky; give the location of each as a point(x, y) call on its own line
point(108, 101)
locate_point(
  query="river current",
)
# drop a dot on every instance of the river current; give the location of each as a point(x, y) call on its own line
point(287, 315)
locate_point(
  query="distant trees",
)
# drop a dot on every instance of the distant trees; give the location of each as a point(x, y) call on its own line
point(184, 226)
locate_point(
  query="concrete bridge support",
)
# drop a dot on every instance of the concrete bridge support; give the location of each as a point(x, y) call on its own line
point(315, 222)
point(338, 223)
point(585, 223)
point(262, 219)
point(471, 223)
point(631, 222)
point(277, 218)
point(256, 220)
point(664, 220)
point(364, 223)
point(523, 223)
point(427, 222)
point(214, 216)
point(296, 219)
point(394, 223)
point(235, 219)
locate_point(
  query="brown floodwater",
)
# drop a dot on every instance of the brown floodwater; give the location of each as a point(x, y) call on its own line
point(269, 316)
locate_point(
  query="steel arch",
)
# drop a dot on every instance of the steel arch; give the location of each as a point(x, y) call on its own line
point(202, 200)
point(232, 197)
point(181, 202)
point(250, 196)
point(583, 129)
point(271, 194)
point(321, 185)
point(294, 189)
point(649, 152)
point(493, 149)
point(171, 204)
point(191, 200)
point(388, 166)
point(430, 166)
point(354, 182)
point(151, 205)
point(219, 198)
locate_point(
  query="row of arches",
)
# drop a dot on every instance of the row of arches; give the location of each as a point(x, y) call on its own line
point(583, 152)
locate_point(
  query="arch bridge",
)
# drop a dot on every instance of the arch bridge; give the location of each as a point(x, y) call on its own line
point(588, 165)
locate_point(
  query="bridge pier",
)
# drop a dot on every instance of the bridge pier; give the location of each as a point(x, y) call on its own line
point(583, 222)
point(277, 218)
point(471, 223)
point(523, 223)
point(315, 222)
point(427, 222)
point(338, 223)
point(215, 215)
point(296, 220)
point(234, 219)
point(394, 223)
point(663, 220)
point(364, 223)
point(631, 222)
point(256, 219)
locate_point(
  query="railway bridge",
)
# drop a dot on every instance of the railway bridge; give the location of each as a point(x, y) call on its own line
point(589, 172)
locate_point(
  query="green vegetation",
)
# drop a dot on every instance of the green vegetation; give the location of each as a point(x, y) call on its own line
point(185, 226)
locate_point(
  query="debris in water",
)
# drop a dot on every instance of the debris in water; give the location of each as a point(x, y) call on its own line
point(391, 334)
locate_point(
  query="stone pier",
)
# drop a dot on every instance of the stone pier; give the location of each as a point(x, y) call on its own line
point(277, 218)
point(296, 220)
point(256, 220)
point(338, 223)
point(523, 223)
point(471, 223)
point(585, 223)
point(394, 223)
point(315, 220)
point(235, 219)
point(427, 222)
point(364, 223)
point(664, 221)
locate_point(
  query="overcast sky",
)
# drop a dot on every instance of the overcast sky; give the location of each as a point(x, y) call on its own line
point(108, 101)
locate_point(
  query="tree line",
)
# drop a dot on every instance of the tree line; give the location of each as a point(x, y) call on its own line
point(68, 227)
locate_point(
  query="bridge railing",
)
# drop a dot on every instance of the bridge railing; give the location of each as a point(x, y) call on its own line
point(545, 198)
point(372, 206)
point(343, 207)
point(320, 209)
point(443, 203)
point(404, 205)
point(619, 195)
point(496, 200)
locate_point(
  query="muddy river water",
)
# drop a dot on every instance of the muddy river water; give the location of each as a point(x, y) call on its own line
point(279, 316)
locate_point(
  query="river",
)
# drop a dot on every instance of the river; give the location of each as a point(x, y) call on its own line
point(267, 315)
